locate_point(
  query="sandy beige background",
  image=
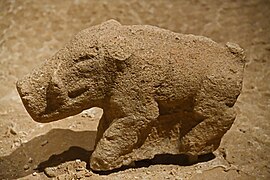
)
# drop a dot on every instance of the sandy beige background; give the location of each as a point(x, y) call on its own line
point(31, 31)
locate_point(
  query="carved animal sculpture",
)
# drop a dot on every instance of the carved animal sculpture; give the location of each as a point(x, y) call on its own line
point(161, 92)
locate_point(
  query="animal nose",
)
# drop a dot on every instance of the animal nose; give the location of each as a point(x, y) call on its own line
point(32, 93)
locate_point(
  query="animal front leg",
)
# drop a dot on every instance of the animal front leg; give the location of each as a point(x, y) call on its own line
point(129, 115)
point(119, 139)
point(102, 126)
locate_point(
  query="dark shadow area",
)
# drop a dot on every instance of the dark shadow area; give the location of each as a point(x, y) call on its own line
point(162, 159)
point(53, 148)
point(73, 153)
point(181, 159)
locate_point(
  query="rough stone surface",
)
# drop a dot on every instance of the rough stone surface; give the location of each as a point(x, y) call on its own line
point(161, 92)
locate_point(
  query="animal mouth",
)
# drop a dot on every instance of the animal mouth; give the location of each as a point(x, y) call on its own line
point(77, 92)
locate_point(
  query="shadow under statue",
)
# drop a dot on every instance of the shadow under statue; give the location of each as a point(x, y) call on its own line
point(55, 147)
point(62, 145)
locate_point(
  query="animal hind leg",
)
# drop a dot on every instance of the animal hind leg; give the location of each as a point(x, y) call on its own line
point(205, 137)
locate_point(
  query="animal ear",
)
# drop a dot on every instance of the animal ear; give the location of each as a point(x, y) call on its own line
point(111, 22)
point(120, 48)
point(236, 50)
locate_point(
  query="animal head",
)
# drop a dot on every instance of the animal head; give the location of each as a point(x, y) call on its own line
point(77, 77)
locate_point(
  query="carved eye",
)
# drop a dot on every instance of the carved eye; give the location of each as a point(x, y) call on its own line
point(85, 57)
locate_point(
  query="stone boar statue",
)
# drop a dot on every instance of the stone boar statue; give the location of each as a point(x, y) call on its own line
point(161, 92)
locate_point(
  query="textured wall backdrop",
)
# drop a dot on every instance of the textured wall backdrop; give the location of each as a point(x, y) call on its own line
point(31, 31)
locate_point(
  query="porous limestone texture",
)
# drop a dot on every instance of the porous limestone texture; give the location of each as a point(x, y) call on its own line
point(161, 92)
